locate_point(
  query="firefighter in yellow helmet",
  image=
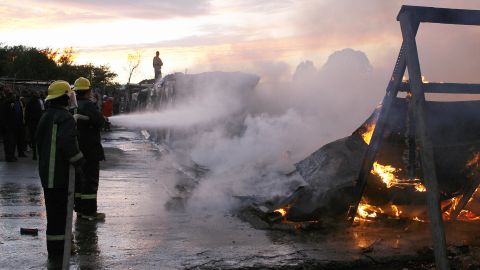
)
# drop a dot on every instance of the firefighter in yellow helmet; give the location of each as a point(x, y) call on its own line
point(56, 141)
point(89, 123)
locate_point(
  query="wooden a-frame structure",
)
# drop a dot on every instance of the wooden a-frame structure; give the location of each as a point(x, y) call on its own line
point(410, 18)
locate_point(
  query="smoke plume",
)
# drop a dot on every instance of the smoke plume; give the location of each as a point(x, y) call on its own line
point(276, 125)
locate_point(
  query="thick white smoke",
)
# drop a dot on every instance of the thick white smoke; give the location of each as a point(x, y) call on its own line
point(281, 123)
point(210, 104)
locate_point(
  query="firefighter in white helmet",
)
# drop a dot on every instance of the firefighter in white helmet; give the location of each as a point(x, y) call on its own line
point(89, 123)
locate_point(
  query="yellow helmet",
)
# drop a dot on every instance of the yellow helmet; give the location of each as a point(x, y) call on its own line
point(58, 89)
point(81, 84)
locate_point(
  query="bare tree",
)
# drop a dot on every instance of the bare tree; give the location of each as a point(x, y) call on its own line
point(134, 60)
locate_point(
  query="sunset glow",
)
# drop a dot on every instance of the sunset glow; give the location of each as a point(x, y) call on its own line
point(207, 35)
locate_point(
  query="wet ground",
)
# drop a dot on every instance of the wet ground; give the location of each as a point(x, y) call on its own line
point(139, 233)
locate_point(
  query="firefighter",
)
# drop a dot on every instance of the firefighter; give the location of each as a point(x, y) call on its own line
point(56, 141)
point(89, 123)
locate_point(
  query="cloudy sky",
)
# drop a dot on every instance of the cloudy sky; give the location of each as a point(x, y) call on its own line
point(244, 35)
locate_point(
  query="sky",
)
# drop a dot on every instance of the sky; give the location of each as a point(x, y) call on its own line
point(268, 37)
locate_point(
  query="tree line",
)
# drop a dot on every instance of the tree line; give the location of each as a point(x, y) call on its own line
point(29, 63)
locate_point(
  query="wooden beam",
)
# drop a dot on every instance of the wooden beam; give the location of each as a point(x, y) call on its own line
point(410, 141)
point(441, 15)
point(377, 136)
point(423, 142)
point(445, 88)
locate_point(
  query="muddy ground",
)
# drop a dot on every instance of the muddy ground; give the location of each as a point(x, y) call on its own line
point(139, 233)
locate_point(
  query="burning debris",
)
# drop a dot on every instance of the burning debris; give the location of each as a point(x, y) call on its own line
point(330, 173)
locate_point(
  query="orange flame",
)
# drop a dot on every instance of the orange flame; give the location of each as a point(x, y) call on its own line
point(396, 210)
point(367, 135)
point(419, 220)
point(466, 215)
point(369, 213)
point(366, 212)
point(386, 173)
point(474, 161)
point(281, 211)
point(420, 188)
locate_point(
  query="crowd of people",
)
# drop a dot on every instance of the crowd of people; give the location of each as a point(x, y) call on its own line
point(20, 113)
point(19, 117)
point(64, 127)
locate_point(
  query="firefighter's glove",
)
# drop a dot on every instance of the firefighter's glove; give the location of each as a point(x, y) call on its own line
point(80, 117)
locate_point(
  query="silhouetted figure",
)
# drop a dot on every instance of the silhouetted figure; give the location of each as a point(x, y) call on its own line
point(7, 110)
point(2, 117)
point(20, 134)
point(157, 65)
point(33, 112)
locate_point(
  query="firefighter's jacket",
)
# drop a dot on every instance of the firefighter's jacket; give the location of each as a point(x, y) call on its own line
point(57, 147)
point(89, 130)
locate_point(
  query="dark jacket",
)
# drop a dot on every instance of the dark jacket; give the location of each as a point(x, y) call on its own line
point(33, 111)
point(57, 146)
point(19, 108)
point(89, 130)
point(157, 63)
point(8, 113)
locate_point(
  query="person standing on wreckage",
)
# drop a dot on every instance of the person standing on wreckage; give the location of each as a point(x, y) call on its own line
point(89, 123)
point(157, 65)
point(56, 141)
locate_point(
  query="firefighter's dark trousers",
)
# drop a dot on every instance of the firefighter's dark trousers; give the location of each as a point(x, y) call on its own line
point(86, 187)
point(56, 205)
